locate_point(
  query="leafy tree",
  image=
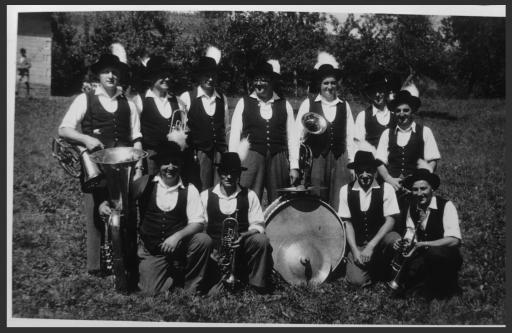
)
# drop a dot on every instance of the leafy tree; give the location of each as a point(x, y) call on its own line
point(477, 47)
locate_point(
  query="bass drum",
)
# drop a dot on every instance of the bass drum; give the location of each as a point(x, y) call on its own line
point(307, 237)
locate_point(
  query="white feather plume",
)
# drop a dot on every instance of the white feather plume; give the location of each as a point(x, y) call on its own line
point(118, 50)
point(276, 67)
point(422, 164)
point(178, 136)
point(412, 89)
point(364, 145)
point(325, 58)
point(243, 148)
point(213, 52)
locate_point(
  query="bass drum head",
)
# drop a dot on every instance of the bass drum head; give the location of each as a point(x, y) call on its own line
point(307, 238)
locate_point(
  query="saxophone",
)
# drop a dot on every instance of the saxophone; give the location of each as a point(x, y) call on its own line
point(227, 252)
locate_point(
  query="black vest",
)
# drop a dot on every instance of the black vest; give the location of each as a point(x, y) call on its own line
point(156, 224)
point(215, 216)
point(334, 137)
point(366, 224)
point(265, 135)
point(403, 160)
point(153, 125)
point(434, 229)
point(373, 128)
point(206, 132)
point(114, 128)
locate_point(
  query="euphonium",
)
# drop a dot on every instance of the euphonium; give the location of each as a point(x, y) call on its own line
point(76, 161)
point(313, 123)
point(227, 252)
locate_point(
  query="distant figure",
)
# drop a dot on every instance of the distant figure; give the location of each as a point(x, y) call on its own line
point(23, 66)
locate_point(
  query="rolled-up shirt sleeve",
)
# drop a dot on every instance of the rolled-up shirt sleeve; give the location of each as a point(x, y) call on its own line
point(134, 122)
point(293, 144)
point(236, 126)
point(195, 210)
point(431, 151)
point(382, 148)
point(350, 134)
point(390, 204)
point(451, 221)
point(343, 210)
point(299, 128)
point(360, 130)
point(256, 218)
point(185, 98)
point(75, 113)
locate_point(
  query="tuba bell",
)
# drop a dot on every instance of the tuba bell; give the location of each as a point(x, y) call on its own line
point(120, 242)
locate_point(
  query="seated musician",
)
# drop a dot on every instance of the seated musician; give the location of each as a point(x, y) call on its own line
point(253, 253)
point(173, 251)
point(401, 147)
point(368, 209)
point(433, 224)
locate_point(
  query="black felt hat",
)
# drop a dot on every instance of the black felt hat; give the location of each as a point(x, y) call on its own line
point(404, 97)
point(377, 81)
point(167, 153)
point(326, 70)
point(205, 65)
point(263, 68)
point(229, 162)
point(110, 60)
point(157, 67)
point(422, 174)
point(363, 158)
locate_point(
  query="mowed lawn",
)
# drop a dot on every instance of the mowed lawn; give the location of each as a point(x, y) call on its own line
point(48, 254)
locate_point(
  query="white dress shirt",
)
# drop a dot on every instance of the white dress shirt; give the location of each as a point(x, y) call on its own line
point(78, 108)
point(167, 198)
point(329, 108)
point(265, 113)
point(227, 205)
point(450, 220)
point(430, 150)
point(163, 105)
point(209, 103)
point(383, 117)
point(389, 205)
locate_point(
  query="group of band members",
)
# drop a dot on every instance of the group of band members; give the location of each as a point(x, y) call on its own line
point(190, 187)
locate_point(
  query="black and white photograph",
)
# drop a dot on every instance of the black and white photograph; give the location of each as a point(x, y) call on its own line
point(256, 165)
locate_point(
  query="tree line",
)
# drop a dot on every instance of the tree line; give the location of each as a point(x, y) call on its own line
point(462, 57)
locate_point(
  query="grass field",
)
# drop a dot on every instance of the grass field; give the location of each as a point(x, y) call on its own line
point(48, 272)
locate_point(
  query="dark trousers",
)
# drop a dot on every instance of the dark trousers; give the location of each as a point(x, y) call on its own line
point(266, 171)
point(434, 269)
point(94, 226)
point(378, 268)
point(185, 267)
point(332, 173)
point(200, 169)
point(253, 263)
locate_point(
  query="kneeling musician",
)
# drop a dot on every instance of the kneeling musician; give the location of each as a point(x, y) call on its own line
point(235, 222)
point(429, 252)
point(368, 209)
point(173, 251)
